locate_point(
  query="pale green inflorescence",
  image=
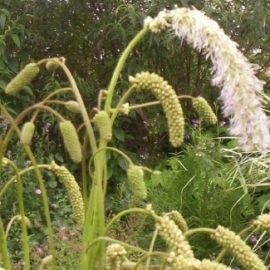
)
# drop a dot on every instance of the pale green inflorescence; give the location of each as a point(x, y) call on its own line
point(23, 78)
point(174, 238)
point(169, 101)
point(179, 220)
point(181, 263)
point(51, 66)
point(73, 106)
point(238, 248)
point(103, 122)
point(136, 181)
point(71, 141)
point(241, 90)
point(27, 133)
point(204, 110)
point(73, 190)
point(210, 265)
point(263, 222)
point(114, 256)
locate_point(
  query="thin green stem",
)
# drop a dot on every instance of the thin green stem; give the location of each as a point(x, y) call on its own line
point(198, 230)
point(79, 99)
point(138, 106)
point(125, 212)
point(83, 171)
point(151, 247)
point(120, 66)
point(155, 253)
point(12, 179)
point(41, 184)
point(55, 93)
point(3, 248)
point(45, 203)
point(21, 208)
point(117, 109)
point(111, 240)
point(49, 109)
point(104, 149)
point(88, 234)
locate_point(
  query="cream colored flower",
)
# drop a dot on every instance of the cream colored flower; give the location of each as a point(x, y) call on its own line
point(241, 90)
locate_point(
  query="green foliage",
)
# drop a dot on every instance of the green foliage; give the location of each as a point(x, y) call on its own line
point(201, 185)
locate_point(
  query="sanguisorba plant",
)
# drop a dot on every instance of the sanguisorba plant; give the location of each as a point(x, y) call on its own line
point(241, 93)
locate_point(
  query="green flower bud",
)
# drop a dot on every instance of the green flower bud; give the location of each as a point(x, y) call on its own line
point(4, 162)
point(71, 141)
point(51, 66)
point(174, 238)
point(178, 220)
point(115, 254)
point(23, 78)
point(263, 222)
point(136, 182)
point(73, 190)
point(27, 133)
point(73, 106)
point(104, 124)
point(27, 221)
point(204, 110)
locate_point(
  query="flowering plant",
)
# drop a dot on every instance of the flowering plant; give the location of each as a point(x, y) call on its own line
point(242, 97)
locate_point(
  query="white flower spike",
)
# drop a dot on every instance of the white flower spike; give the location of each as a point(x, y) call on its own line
point(241, 90)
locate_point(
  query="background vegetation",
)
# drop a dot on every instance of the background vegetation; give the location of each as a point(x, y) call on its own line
point(207, 179)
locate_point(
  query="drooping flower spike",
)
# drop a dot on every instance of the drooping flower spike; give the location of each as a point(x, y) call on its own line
point(241, 90)
point(169, 101)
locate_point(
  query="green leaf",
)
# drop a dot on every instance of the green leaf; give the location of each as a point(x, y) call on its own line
point(11, 111)
point(16, 40)
point(132, 15)
point(2, 47)
point(28, 90)
point(2, 21)
point(119, 134)
point(2, 84)
point(52, 183)
point(122, 163)
point(59, 158)
point(2, 64)
point(13, 65)
point(219, 3)
point(6, 12)
point(264, 202)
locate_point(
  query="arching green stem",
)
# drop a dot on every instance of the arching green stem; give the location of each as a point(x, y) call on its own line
point(21, 208)
point(125, 212)
point(12, 179)
point(120, 66)
point(41, 184)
